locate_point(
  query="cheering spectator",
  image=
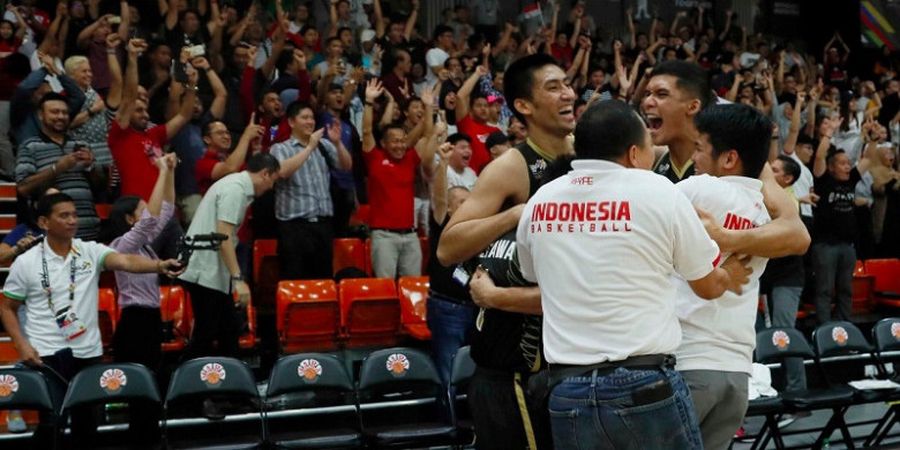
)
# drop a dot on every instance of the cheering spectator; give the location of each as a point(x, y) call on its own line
point(472, 117)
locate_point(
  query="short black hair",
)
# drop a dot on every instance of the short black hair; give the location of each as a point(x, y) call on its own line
point(741, 128)
point(441, 29)
point(51, 97)
point(294, 108)
point(519, 80)
point(284, 59)
point(46, 203)
point(263, 161)
point(456, 137)
point(207, 127)
point(117, 224)
point(607, 129)
point(790, 167)
point(689, 77)
point(332, 39)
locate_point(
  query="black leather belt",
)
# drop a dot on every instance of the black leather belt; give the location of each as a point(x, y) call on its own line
point(396, 230)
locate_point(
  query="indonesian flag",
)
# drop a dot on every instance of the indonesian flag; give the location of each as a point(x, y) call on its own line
point(531, 11)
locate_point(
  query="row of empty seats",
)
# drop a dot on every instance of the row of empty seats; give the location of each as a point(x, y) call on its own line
point(398, 401)
point(357, 312)
point(832, 344)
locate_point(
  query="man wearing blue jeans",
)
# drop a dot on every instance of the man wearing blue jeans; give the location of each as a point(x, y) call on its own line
point(609, 327)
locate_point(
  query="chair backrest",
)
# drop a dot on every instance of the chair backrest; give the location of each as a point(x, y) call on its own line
point(8, 353)
point(348, 252)
point(369, 306)
point(24, 389)
point(886, 334)
point(886, 272)
point(174, 306)
point(107, 313)
point(463, 366)
point(839, 338)
point(109, 383)
point(211, 375)
point(413, 293)
point(307, 309)
point(775, 344)
point(398, 364)
point(262, 248)
point(308, 371)
point(859, 268)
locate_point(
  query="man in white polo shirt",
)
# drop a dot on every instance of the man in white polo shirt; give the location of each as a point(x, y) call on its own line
point(602, 243)
point(718, 336)
point(57, 283)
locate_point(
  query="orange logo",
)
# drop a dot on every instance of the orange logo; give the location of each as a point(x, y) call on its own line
point(112, 380)
point(212, 374)
point(8, 386)
point(397, 364)
point(895, 330)
point(310, 370)
point(839, 335)
point(781, 340)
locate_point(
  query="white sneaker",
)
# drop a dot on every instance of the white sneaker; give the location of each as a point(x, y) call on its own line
point(15, 423)
point(788, 419)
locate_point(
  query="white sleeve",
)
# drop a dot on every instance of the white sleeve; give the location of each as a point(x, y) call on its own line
point(696, 255)
point(16, 286)
point(523, 245)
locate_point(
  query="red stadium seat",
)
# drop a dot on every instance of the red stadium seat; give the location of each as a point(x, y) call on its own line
point(8, 353)
point(175, 306)
point(860, 268)
point(413, 293)
point(7, 223)
point(103, 210)
point(350, 252)
point(887, 281)
point(863, 295)
point(265, 271)
point(107, 315)
point(370, 312)
point(307, 315)
point(7, 192)
point(361, 216)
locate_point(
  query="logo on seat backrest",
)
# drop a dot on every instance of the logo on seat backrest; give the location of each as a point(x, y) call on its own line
point(8, 386)
point(112, 380)
point(839, 335)
point(895, 330)
point(310, 370)
point(781, 340)
point(397, 364)
point(212, 374)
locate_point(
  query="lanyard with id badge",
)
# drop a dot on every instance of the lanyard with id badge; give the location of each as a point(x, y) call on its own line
point(69, 324)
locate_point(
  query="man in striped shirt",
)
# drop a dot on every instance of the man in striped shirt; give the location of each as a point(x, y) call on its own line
point(50, 159)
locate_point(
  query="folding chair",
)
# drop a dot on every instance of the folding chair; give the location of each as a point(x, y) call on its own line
point(413, 293)
point(460, 374)
point(835, 339)
point(326, 382)
point(218, 377)
point(27, 389)
point(886, 335)
point(307, 315)
point(774, 345)
point(400, 374)
point(114, 383)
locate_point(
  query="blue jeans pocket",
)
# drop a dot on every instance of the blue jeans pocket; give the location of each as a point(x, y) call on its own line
point(565, 431)
point(656, 425)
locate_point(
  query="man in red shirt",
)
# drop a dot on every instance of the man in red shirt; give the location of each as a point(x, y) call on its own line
point(216, 162)
point(472, 117)
point(135, 147)
point(392, 168)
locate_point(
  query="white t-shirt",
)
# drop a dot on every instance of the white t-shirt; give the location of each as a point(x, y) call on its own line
point(602, 243)
point(24, 285)
point(803, 185)
point(435, 57)
point(465, 179)
point(719, 334)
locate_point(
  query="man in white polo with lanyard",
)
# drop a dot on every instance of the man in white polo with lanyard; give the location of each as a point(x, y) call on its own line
point(602, 243)
point(718, 337)
point(57, 282)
